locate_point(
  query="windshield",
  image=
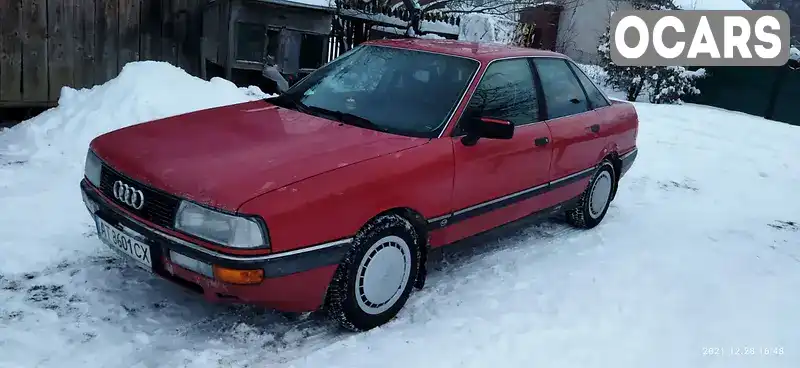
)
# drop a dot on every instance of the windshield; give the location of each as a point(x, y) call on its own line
point(388, 89)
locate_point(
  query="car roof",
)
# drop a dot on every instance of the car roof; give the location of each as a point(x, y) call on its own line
point(484, 52)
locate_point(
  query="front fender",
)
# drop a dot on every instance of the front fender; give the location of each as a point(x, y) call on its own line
point(336, 204)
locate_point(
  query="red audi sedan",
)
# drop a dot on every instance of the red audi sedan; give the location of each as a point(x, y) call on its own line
point(330, 195)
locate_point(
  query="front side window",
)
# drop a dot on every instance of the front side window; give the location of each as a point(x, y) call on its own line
point(562, 92)
point(506, 92)
point(389, 89)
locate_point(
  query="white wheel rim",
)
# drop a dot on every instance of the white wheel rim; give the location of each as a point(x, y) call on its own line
point(383, 274)
point(600, 194)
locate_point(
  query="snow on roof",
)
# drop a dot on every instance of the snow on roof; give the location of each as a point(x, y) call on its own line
point(316, 4)
point(324, 3)
point(425, 26)
point(711, 4)
point(439, 27)
point(486, 28)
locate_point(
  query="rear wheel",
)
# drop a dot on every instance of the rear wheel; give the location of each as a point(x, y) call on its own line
point(375, 279)
point(594, 201)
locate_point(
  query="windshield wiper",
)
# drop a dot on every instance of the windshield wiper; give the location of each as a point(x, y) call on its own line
point(289, 102)
point(346, 118)
point(340, 116)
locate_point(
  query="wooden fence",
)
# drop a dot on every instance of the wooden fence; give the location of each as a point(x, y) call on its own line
point(770, 92)
point(47, 44)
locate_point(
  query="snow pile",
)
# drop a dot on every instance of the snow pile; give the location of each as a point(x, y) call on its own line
point(41, 160)
point(711, 4)
point(486, 28)
point(595, 73)
point(143, 91)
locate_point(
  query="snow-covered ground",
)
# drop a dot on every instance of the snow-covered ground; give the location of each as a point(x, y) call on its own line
point(699, 253)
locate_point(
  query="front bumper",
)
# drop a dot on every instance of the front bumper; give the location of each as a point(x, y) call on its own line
point(293, 281)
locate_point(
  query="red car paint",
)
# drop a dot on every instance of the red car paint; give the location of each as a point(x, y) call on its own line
point(314, 180)
point(299, 292)
point(220, 145)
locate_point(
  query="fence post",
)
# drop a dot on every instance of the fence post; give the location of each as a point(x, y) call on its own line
point(776, 87)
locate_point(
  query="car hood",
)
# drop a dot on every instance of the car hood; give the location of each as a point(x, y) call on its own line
point(225, 156)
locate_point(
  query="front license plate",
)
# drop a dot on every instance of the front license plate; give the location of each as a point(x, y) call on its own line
point(125, 244)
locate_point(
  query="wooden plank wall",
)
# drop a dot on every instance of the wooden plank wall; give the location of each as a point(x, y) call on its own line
point(34, 50)
point(11, 50)
point(48, 44)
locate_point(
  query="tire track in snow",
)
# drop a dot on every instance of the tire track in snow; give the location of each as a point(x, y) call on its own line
point(140, 305)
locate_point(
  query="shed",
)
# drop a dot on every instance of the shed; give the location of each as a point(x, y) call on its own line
point(48, 44)
point(239, 34)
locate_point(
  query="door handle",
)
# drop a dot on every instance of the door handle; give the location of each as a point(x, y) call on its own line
point(543, 141)
point(595, 128)
point(575, 101)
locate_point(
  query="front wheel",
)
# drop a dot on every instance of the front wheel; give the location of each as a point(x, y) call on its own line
point(375, 279)
point(594, 201)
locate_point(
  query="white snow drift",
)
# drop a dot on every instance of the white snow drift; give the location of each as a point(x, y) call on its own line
point(699, 253)
point(41, 160)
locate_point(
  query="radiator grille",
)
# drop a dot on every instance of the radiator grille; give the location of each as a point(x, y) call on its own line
point(159, 207)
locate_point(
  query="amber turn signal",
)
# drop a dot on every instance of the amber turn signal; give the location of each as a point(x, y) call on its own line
point(241, 277)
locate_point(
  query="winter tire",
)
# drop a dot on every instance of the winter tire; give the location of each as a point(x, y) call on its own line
point(375, 279)
point(594, 201)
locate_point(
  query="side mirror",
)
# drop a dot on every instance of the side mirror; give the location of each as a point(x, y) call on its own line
point(485, 127)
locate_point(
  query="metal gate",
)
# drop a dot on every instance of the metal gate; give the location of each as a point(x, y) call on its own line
point(770, 92)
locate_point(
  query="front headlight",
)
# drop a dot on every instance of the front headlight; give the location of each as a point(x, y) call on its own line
point(222, 228)
point(92, 168)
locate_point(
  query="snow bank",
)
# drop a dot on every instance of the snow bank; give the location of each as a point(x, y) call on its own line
point(143, 91)
point(486, 28)
point(55, 143)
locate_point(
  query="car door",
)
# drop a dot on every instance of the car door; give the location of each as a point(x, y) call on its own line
point(496, 181)
point(607, 115)
point(577, 137)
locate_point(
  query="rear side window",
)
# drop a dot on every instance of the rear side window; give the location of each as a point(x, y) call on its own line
point(506, 92)
point(562, 92)
point(596, 97)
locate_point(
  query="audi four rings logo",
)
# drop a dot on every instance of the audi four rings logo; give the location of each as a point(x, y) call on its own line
point(129, 195)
